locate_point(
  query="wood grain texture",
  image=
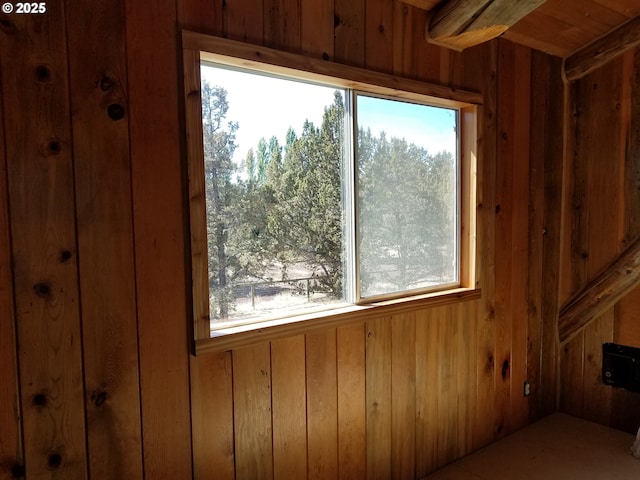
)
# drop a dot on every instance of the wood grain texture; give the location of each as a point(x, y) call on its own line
point(505, 217)
point(427, 392)
point(561, 27)
point(603, 124)
point(466, 316)
point(289, 405)
point(520, 235)
point(485, 57)
point(627, 329)
point(601, 293)
point(604, 178)
point(402, 38)
point(317, 29)
point(349, 31)
point(463, 24)
point(212, 414)
point(105, 238)
point(403, 402)
point(379, 397)
point(447, 421)
point(11, 456)
point(352, 422)
point(603, 50)
point(535, 249)
point(159, 239)
point(243, 20)
point(552, 222)
point(282, 24)
point(322, 405)
point(253, 431)
point(197, 196)
point(571, 376)
point(597, 405)
point(379, 35)
point(43, 231)
point(204, 16)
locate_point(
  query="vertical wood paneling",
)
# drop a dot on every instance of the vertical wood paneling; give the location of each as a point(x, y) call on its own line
point(605, 160)
point(631, 105)
point(105, 238)
point(379, 398)
point(403, 401)
point(539, 105)
point(289, 400)
point(317, 29)
point(624, 414)
point(43, 232)
point(504, 235)
point(552, 220)
point(243, 20)
point(282, 24)
point(576, 220)
point(252, 412)
point(601, 214)
point(159, 240)
point(447, 421)
point(467, 385)
point(11, 458)
point(389, 397)
point(578, 210)
point(427, 392)
point(520, 235)
point(379, 35)
point(485, 58)
point(402, 38)
point(322, 405)
point(597, 404)
point(426, 63)
point(212, 414)
point(571, 376)
point(350, 31)
point(352, 422)
point(204, 16)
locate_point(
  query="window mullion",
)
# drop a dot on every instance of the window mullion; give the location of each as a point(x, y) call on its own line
point(350, 181)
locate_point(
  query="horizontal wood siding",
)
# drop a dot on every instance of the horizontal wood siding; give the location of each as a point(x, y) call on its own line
point(94, 231)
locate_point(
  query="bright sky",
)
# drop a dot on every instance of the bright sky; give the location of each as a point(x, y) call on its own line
point(266, 106)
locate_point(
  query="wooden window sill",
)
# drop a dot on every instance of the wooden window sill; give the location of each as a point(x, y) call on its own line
point(245, 335)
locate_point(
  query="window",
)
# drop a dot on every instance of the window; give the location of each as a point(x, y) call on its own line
point(311, 192)
point(407, 196)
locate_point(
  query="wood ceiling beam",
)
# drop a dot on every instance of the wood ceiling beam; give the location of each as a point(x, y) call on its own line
point(602, 50)
point(459, 24)
point(601, 293)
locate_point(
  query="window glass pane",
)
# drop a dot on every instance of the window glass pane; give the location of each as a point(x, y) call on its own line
point(407, 191)
point(273, 151)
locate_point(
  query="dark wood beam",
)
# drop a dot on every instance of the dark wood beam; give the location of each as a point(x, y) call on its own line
point(603, 50)
point(459, 24)
point(601, 293)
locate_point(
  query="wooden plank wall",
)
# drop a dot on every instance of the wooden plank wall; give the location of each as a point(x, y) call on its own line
point(94, 324)
point(602, 215)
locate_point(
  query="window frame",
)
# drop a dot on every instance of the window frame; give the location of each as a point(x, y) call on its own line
point(199, 48)
point(407, 293)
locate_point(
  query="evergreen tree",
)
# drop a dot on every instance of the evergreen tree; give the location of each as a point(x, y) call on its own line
point(305, 219)
point(404, 215)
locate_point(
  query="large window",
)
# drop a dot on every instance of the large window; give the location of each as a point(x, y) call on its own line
point(313, 192)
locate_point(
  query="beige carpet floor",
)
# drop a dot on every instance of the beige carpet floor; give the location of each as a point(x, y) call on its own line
point(558, 447)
